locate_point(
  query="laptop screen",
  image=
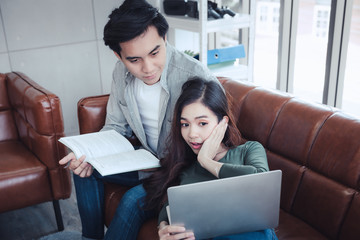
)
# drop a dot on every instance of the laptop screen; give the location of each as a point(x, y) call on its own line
point(227, 206)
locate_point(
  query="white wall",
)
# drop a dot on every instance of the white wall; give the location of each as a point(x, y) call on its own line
point(58, 44)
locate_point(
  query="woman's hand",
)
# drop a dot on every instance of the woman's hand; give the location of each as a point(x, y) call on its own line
point(212, 149)
point(78, 166)
point(212, 145)
point(168, 232)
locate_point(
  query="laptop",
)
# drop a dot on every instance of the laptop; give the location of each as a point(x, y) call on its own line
point(227, 206)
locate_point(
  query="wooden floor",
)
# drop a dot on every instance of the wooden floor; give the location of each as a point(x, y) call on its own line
point(38, 221)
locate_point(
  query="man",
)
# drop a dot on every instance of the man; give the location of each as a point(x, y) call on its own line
point(147, 81)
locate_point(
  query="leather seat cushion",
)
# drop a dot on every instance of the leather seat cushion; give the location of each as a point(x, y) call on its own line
point(24, 180)
point(290, 227)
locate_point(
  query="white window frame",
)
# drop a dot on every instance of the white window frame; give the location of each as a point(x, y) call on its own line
point(338, 39)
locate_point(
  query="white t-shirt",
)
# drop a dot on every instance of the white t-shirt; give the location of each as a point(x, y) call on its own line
point(148, 101)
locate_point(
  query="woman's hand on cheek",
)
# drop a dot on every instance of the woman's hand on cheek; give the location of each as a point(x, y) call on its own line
point(211, 145)
point(169, 232)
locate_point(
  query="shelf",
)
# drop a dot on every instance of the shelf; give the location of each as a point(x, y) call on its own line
point(212, 25)
point(232, 70)
point(205, 25)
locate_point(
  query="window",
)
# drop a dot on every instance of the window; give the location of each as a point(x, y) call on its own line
point(311, 49)
point(305, 47)
point(266, 43)
point(314, 52)
point(321, 18)
point(351, 97)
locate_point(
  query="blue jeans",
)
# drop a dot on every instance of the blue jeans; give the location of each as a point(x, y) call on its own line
point(267, 234)
point(129, 215)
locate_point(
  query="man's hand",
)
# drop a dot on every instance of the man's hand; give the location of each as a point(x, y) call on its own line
point(78, 166)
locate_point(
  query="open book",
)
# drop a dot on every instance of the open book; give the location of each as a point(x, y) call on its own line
point(109, 152)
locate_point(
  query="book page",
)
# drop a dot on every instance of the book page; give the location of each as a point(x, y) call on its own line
point(94, 145)
point(125, 162)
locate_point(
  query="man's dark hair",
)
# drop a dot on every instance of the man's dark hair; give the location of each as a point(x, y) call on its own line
point(130, 20)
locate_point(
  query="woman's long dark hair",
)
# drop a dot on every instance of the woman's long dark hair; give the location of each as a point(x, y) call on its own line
point(179, 155)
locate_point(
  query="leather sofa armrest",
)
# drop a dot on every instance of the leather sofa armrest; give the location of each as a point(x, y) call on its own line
point(92, 114)
point(38, 116)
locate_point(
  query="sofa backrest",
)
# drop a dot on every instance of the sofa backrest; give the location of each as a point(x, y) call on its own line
point(316, 147)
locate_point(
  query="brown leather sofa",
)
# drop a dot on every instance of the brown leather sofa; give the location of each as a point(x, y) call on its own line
point(316, 147)
point(31, 123)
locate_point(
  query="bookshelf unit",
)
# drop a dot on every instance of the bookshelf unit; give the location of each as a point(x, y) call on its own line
point(204, 26)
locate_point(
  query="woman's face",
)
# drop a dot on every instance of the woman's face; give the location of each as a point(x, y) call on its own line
point(197, 122)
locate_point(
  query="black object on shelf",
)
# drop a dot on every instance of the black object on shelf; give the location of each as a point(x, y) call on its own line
point(181, 8)
point(220, 11)
point(190, 9)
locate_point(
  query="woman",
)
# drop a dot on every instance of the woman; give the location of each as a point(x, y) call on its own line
point(204, 144)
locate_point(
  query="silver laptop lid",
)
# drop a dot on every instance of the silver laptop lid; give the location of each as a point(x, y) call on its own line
point(227, 206)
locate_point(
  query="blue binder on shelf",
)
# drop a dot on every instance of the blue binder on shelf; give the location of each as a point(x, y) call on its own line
point(225, 54)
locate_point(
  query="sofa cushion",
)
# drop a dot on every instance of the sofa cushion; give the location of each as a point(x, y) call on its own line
point(322, 203)
point(291, 177)
point(24, 181)
point(350, 228)
point(259, 112)
point(7, 126)
point(336, 150)
point(295, 129)
point(293, 228)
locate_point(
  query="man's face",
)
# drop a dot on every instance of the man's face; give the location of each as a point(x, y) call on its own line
point(145, 56)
